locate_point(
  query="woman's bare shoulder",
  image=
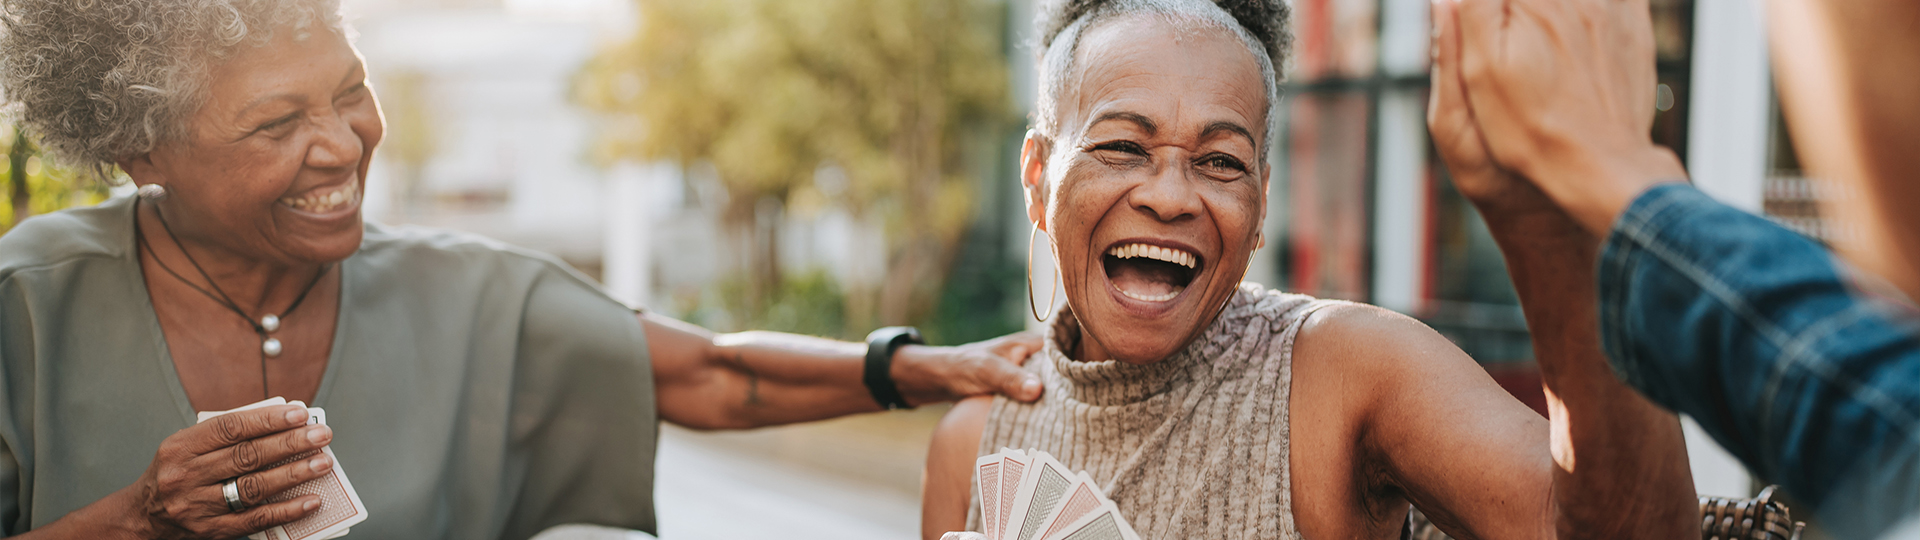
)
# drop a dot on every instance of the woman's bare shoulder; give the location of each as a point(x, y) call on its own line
point(948, 489)
point(964, 421)
point(1356, 357)
point(956, 440)
point(1363, 336)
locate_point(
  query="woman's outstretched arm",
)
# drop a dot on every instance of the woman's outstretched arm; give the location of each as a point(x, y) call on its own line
point(1619, 465)
point(753, 379)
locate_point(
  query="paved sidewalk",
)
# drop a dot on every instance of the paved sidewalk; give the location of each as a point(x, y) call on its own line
point(708, 492)
point(850, 479)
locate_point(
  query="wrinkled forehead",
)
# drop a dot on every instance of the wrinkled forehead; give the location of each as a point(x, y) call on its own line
point(1179, 71)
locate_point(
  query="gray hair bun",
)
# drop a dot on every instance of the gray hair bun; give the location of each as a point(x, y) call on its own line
point(1266, 20)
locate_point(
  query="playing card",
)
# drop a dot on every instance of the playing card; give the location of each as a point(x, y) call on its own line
point(1083, 497)
point(1013, 470)
point(1041, 490)
point(987, 471)
point(203, 416)
point(340, 506)
point(1104, 523)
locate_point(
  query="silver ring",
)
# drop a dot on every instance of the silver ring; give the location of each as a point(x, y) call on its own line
point(231, 490)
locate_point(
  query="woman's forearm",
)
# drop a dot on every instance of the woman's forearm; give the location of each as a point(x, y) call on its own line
point(108, 518)
point(755, 379)
point(1621, 465)
point(780, 378)
point(751, 379)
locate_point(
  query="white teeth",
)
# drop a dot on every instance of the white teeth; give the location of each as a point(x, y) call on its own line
point(1158, 298)
point(1157, 253)
point(326, 202)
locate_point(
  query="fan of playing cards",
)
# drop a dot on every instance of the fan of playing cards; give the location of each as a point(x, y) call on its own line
point(340, 506)
point(1027, 495)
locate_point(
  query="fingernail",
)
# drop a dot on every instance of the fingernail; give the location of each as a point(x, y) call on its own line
point(1031, 387)
point(317, 434)
point(319, 464)
point(309, 506)
point(296, 415)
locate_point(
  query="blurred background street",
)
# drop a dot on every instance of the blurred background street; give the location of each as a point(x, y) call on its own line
point(830, 166)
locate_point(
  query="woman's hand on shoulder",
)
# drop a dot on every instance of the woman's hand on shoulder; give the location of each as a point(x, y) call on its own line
point(939, 374)
point(180, 495)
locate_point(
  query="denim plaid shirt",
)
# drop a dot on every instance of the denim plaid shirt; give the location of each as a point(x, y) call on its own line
point(1759, 334)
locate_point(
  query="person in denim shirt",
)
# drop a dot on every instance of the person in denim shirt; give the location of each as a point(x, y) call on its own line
point(1807, 370)
point(1755, 331)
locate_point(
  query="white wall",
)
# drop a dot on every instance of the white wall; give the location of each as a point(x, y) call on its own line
point(1400, 190)
point(1732, 102)
point(1727, 157)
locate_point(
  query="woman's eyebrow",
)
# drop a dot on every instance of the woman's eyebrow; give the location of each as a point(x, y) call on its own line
point(358, 69)
point(263, 101)
point(1146, 124)
point(1217, 127)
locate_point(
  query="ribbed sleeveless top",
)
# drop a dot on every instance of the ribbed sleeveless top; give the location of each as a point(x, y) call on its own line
point(1194, 446)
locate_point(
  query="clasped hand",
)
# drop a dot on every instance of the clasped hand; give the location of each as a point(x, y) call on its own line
point(1545, 107)
point(180, 495)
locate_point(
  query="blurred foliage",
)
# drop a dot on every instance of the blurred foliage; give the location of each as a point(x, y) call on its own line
point(807, 303)
point(47, 188)
point(767, 92)
point(982, 300)
point(410, 141)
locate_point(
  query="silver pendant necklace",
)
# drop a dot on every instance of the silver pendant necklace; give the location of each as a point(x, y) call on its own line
point(270, 346)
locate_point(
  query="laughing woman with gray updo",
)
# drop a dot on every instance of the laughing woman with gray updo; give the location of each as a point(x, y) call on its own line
point(473, 389)
point(1206, 407)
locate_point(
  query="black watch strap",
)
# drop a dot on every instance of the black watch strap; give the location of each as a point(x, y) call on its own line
point(881, 345)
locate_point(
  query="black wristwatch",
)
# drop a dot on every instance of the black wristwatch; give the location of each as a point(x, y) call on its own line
point(881, 345)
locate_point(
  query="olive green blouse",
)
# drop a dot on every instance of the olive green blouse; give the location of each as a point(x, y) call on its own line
point(475, 390)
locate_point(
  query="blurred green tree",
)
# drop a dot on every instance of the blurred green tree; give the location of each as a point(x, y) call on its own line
point(410, 140)
point(767, 92)
point(34, 186)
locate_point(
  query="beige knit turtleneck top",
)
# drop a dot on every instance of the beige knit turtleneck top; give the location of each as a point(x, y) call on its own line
point(1194, 446)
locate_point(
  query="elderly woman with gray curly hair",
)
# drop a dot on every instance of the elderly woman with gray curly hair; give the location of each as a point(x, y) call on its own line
point(478, 391)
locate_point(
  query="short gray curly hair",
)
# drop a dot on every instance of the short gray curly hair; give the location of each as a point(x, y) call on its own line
point(103, 80)
point(1262, 25)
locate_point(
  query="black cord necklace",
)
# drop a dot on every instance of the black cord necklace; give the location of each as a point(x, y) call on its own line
point(270, 347)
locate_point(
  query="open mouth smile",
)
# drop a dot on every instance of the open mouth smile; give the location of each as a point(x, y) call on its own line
point(327, 201)
point(1150, 273)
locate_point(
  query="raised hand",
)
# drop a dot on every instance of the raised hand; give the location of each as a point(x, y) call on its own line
point(1562, 92)
point(1530, 86)
point(1496, 191)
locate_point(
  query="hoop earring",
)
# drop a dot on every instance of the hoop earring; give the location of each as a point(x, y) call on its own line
point(153, 192)
point(1262, 244)
point(1054, 295)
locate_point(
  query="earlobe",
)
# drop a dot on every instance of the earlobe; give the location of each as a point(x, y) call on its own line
point(1033, 159)
point(141, 169)
point(1033, 176)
